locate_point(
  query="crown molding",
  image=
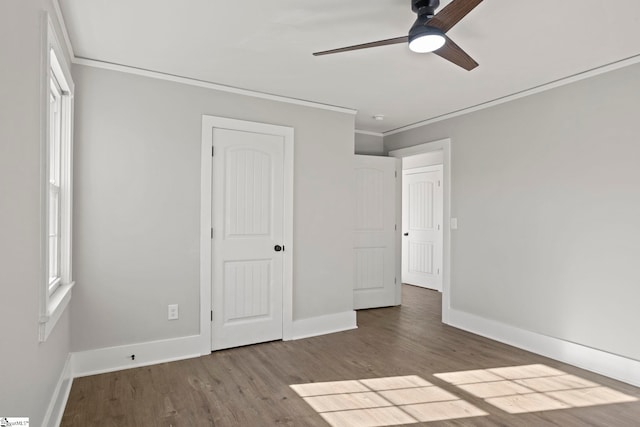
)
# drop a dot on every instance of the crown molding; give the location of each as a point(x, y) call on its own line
point(366, 132)
point(527, 92)
point(207, 85)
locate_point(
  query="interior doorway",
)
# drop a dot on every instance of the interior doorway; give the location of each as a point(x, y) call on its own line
point(439, 152)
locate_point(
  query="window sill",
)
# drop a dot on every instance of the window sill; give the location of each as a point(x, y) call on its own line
point(57, 304)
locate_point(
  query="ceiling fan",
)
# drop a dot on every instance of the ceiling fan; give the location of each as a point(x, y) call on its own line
point(427, 34)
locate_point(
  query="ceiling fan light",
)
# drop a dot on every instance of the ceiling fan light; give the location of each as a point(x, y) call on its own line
point(424, 38)
point(427, 42)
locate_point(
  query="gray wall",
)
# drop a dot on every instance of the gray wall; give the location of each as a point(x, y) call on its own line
point(422, 160)
point(137, 205)
point(372, 145)
point(30, 370)
point(546, 190)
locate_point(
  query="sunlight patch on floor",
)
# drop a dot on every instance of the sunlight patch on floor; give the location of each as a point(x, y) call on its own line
point(532, 388)
point(383, 402)
point(390, 401)
point(411, 399)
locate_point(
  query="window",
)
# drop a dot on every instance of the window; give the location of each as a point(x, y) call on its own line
point(56, 146)
point(54, 207)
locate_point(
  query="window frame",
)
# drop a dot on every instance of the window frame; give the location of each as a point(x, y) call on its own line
point(57, 179)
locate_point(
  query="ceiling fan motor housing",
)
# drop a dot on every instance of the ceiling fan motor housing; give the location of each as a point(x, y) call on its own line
point(425, 7)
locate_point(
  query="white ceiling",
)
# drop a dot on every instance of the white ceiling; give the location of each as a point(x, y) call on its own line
point(266, 46)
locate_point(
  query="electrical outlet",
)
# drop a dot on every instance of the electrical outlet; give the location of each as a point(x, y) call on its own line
point(173, 311)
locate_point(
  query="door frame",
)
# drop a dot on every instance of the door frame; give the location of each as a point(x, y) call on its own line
point(445, 146)
point(206, 215)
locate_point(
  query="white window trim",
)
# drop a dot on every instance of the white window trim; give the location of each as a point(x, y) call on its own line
point(53, 63)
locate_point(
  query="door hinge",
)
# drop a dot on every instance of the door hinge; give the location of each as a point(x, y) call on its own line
point(396, 173)
point(438, 271)
point(212, 151)
point(212, 315)
point(212, 233)
point(395, 227)
point(395, 280)
point(439, 183)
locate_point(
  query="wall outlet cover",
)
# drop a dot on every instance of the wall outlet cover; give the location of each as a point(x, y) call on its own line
point(173, 312)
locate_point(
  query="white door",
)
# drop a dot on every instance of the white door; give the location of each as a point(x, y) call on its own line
point(377, 281)
point(248, 225)
point(422, 227)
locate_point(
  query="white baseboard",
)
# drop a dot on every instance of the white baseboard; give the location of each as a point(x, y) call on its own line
point(55, 411)
point(598, 361)
point(112, 359)
point(321, 325)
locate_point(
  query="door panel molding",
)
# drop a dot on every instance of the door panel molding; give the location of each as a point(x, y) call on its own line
point(422, 227)
point(376, 271)
point(206, 226)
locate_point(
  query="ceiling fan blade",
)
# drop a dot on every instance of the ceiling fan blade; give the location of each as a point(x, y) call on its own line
point(454, 53)
point(452, 14)
point(397, 40)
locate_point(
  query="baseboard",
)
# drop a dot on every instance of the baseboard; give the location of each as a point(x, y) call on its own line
point(598, 361)
point(321, 325)
point(54, 413)
point(112, 359)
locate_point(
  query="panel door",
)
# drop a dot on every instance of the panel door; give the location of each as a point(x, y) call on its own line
point(247, 207)
point(422, 227)
point(377, 281)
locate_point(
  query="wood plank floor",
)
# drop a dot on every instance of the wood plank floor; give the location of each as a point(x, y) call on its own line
point(251, 386)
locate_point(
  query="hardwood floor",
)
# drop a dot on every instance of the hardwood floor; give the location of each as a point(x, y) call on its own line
point(251, 386)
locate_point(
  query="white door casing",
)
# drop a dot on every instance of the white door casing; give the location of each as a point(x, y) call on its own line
point(376, 272)
point(250, 213)
point(422, 223)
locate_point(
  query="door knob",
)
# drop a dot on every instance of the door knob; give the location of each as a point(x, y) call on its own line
point(278, 248)
point(406, 234)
